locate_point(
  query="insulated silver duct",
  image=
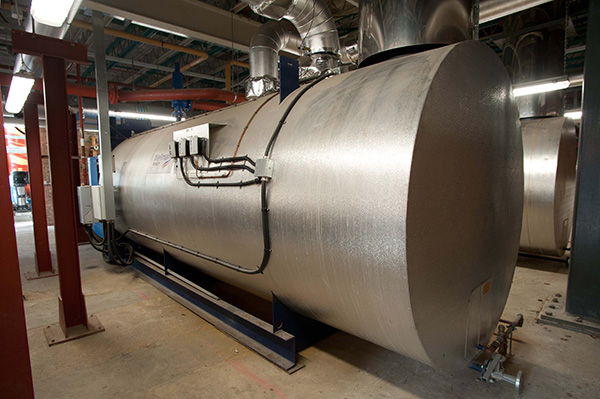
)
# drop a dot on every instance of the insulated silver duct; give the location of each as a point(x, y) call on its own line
point(33, 65)
point(386, 25)
point(265, 46)
point(535, 56)
point(315, 24)
point(349, 49)
point(490, 10)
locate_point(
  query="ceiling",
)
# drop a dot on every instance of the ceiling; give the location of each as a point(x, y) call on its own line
point(138, 65)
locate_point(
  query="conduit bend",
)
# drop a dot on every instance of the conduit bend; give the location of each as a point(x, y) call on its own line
point(265, 46)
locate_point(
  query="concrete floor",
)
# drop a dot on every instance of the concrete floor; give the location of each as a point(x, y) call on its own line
point(155, 348)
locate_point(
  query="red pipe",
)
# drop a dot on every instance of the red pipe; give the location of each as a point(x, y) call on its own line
point(115, 95)
point(207, 105)
point(79, 90)
point(180, 94)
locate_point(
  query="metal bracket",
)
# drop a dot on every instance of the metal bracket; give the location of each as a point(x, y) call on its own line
point(264, 168)
point(202, 132)
point(492, 369)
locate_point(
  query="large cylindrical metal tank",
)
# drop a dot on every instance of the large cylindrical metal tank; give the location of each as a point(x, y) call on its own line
point(550, 158)
point(395, 203)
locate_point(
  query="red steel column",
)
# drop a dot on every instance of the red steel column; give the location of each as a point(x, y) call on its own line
point(43, 259)
point(15, 369)
point(72, 309)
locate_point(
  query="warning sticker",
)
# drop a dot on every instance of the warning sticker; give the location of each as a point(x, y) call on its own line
point(161, 163)
point(486, 287)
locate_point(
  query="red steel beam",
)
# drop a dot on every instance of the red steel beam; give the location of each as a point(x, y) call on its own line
point(38, 45)
point(15, 367)
point(43, 259)
point(72, 309)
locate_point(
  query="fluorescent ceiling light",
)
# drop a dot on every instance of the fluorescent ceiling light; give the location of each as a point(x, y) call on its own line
point(51, 12)
point(540, 87)
point(20, 87)
point(159, 29)
point(134, 115)
point(575, 115)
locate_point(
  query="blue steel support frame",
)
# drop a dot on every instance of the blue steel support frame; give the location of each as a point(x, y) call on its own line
point(275, 345)
point(277, 342)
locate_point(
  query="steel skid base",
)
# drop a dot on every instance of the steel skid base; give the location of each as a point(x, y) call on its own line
point(554, 314)
point(277, 342)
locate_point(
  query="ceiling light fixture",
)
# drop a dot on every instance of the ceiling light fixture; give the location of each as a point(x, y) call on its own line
point(134, 115)
point(575, 115)
point(20, 87)
point(541, 86)
point(51, 13)
point(172, 32)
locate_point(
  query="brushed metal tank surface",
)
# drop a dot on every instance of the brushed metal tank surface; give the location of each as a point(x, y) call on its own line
point(396, 193)
point(550, 158)
point(385, 25)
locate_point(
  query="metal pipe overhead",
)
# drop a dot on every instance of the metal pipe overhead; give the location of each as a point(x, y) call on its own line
point(316, 26)
point(115, 95)
point(386, 26)
point(184, 68)
point(162, 68)
point(203, 55)
point(31, 64)
point(179, 94)
point(266, 44)
point(190, 18)
point(490, 10)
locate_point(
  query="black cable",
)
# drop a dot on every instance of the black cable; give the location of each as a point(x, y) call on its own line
point(231, 159)
point(263, 197)
point(222, 168)
point(271, 142)
point(98, 245)
point(109, 245)
point(216, 184)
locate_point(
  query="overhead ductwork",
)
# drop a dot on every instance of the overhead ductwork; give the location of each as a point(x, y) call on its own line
point(33, 65)
point(316, 26)
point(269, 40)
point(535, 56)
point(490, 10)
point(399, 27)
